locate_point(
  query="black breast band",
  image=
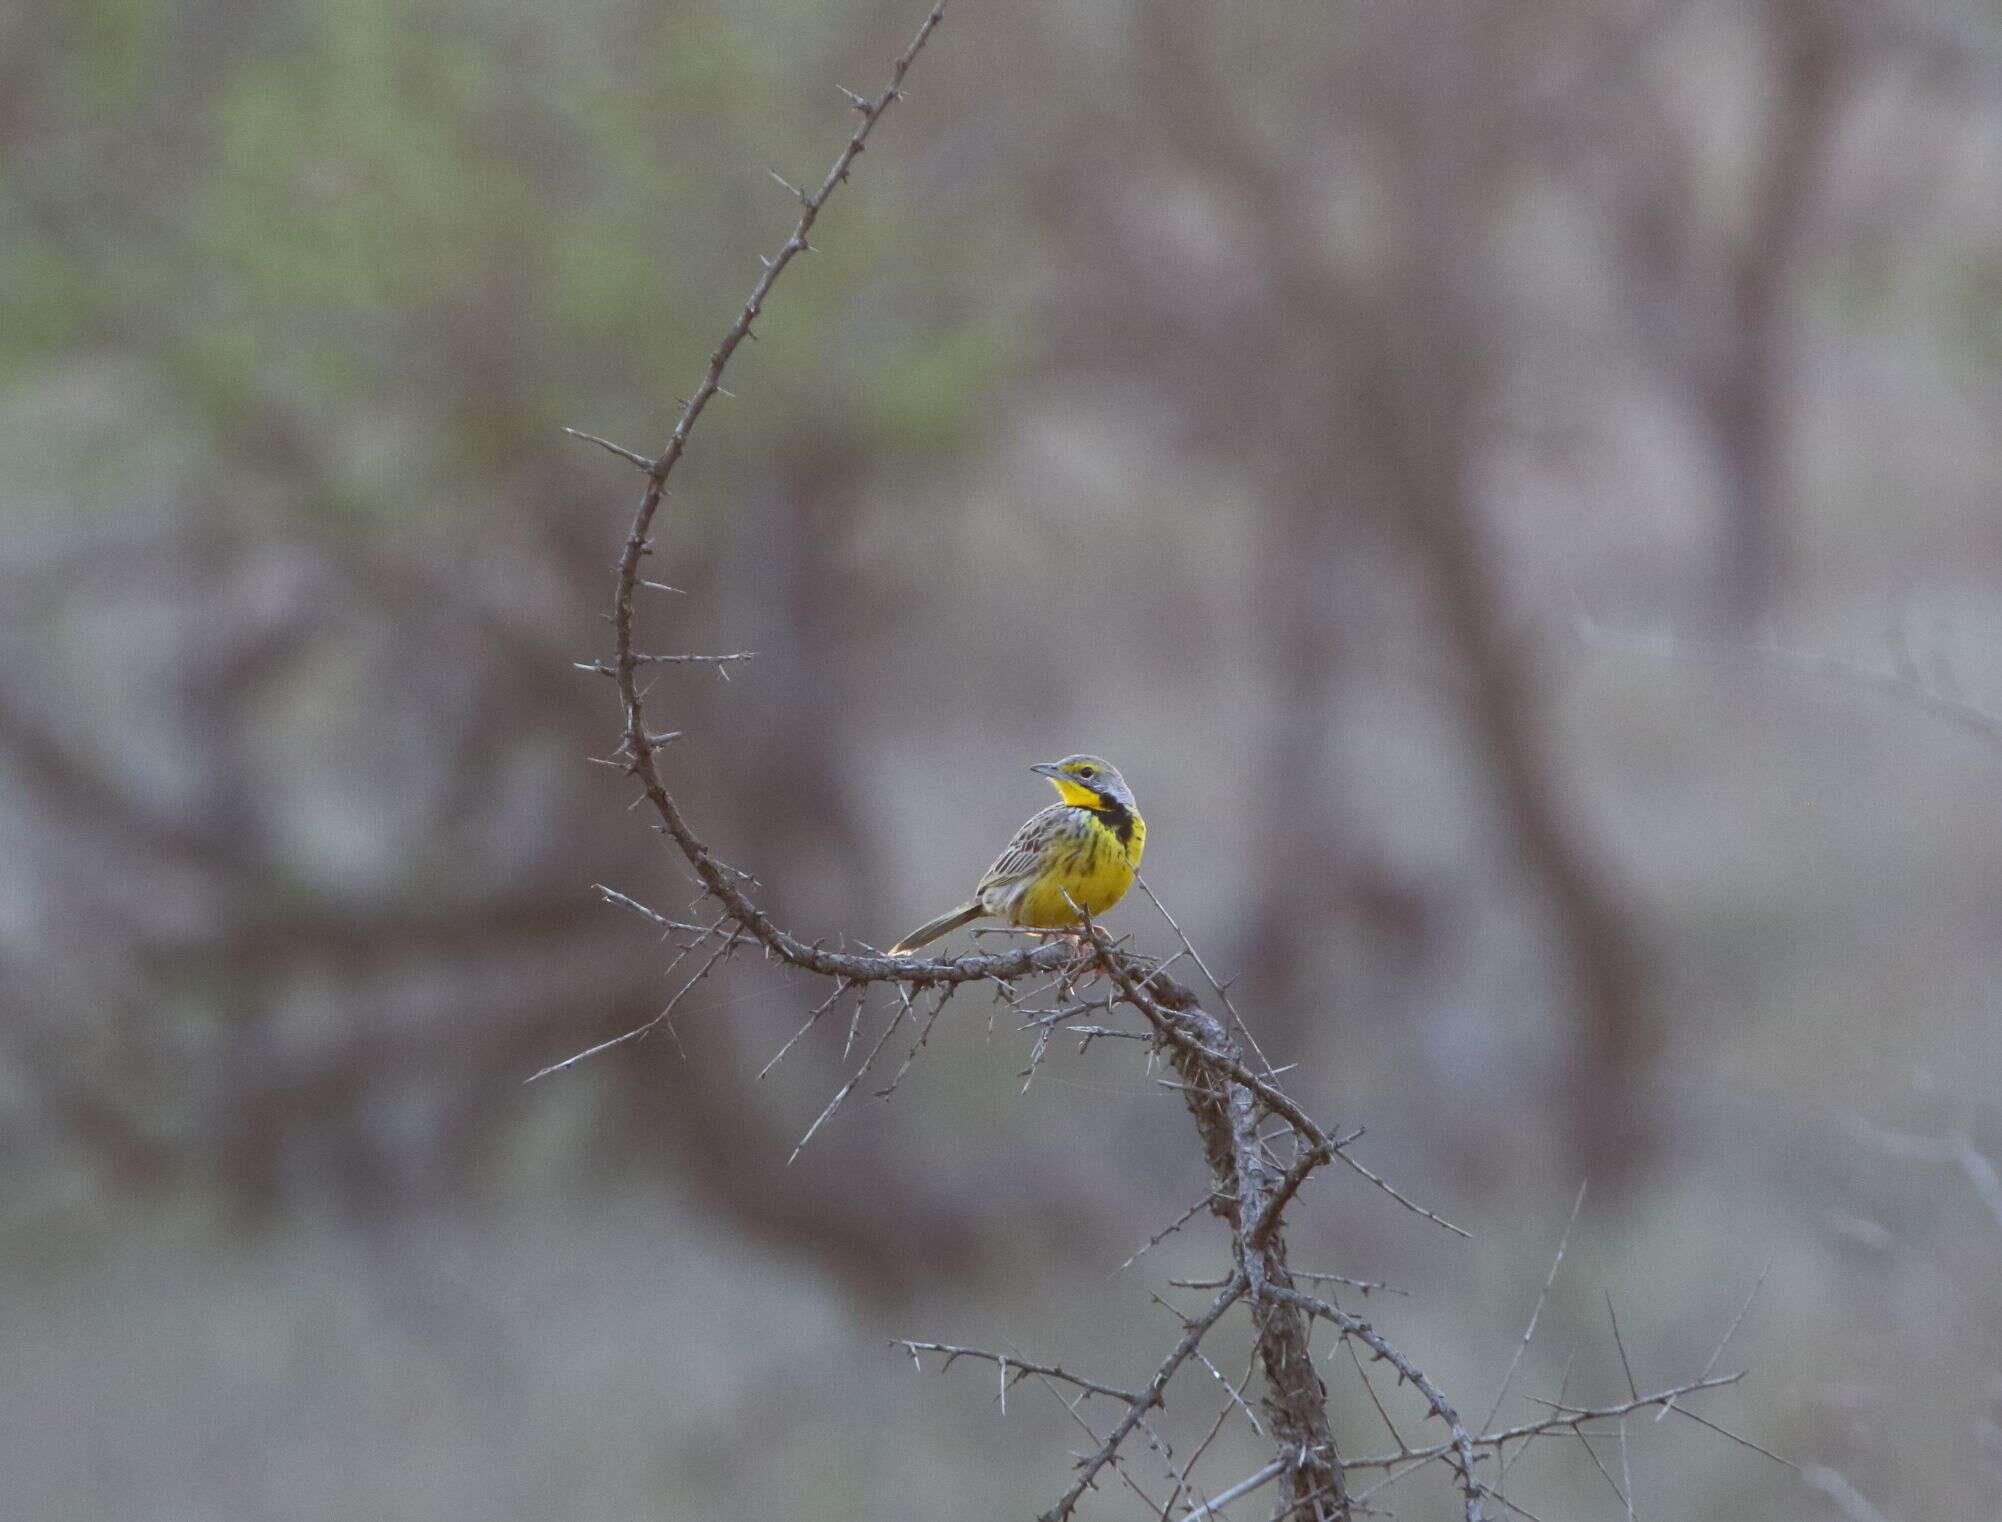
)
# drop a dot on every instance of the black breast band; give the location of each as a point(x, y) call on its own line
point(1117, 816)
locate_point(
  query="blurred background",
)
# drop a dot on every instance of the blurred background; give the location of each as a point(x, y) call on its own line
point(1513, 486)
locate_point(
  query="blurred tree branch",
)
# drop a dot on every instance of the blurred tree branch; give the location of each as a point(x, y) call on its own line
point(1398, 373)
point(1253, 1180)
point(1225, 1097)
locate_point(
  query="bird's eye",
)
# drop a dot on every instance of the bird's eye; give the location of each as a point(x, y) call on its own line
point(1087, 771)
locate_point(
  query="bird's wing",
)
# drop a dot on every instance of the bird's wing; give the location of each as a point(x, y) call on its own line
point(1024, 856)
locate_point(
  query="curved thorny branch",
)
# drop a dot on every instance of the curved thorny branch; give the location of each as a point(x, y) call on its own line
point(1260, 1145)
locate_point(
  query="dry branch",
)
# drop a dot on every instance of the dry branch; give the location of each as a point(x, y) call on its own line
point(1253, 1179)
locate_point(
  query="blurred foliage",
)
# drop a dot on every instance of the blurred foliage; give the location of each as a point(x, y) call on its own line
point(1259, 396)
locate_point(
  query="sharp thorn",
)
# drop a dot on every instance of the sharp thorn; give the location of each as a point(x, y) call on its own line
point(631, 456)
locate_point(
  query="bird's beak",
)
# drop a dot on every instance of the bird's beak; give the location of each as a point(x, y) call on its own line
point(1048, 769)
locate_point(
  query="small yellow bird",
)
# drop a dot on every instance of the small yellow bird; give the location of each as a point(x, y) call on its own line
point(1082, 851)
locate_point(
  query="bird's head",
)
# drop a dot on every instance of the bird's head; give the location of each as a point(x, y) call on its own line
point(1087, 782)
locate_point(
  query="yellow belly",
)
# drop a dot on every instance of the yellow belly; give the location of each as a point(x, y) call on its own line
point(1096, 877)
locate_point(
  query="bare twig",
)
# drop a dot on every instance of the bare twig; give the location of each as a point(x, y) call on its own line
point(1365, 1287)
point(632, 457)
point(1244, 1487)
point(841, 986)
point(687, 927)
point(1536, 1311)
point(729, 944)
point(1619, 1342)
point(1241, 1114)
point(842, 1093)
point(717, 879)
point(1023, 1367)
point(1184, 1481)
point(641, 658)
point(1071, 1408)
point(1626, 1470)
point(1624, 1493)
point(1369, 1389)
point(1235, 1393)
point(1169, 1230)
point(1459, 1448)
point(1151, 1396)
point(1148, 999)
point(1563, 1419)
point(1729, 1332)
point(1221, 989)
point(1739, 1438)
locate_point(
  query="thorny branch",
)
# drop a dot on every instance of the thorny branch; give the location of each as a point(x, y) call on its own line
point(1253, 1180)
point(1021, 1368)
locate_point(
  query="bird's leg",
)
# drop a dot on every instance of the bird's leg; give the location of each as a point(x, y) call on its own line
point(1084, 958)
point(1083, 953)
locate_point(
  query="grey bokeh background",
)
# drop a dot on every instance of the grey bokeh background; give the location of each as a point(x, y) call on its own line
point(1514, 487)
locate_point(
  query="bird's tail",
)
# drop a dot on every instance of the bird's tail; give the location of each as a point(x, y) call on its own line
point(931, 930)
